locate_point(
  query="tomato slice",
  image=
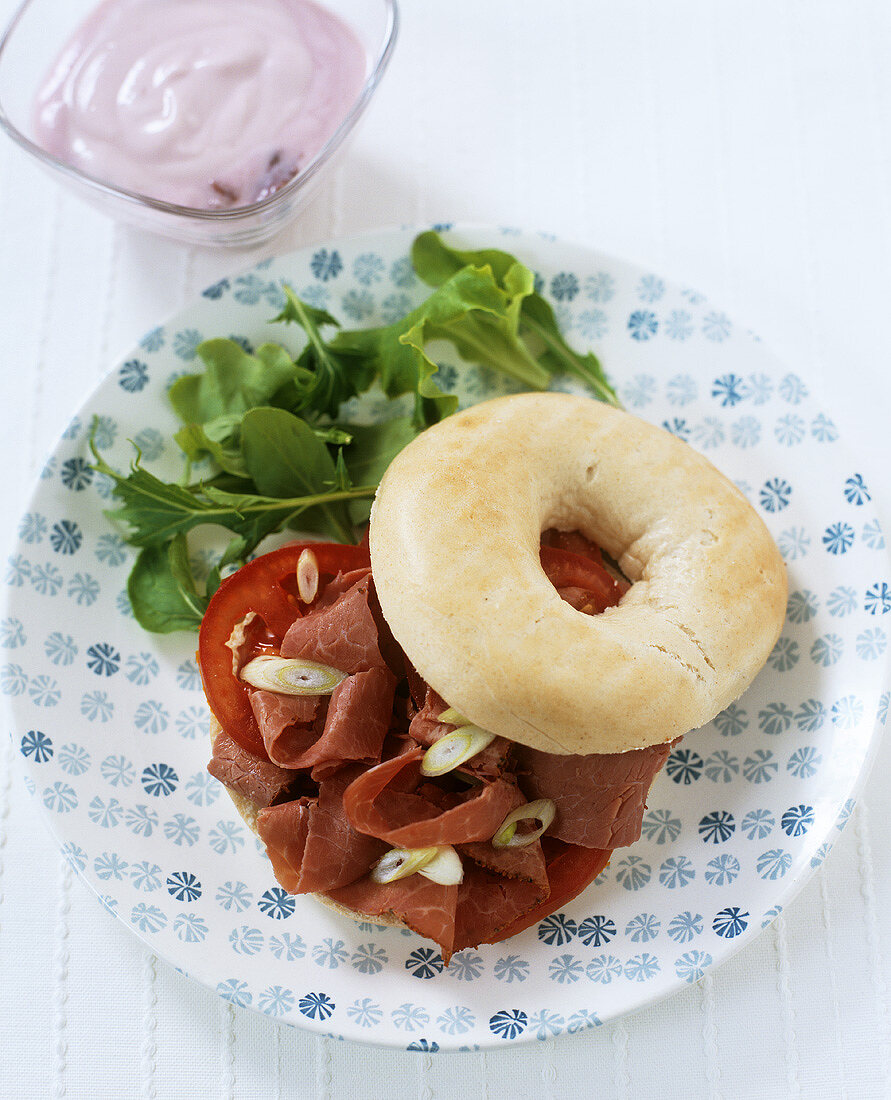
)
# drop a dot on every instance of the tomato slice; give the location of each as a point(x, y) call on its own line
point(267, 586)
point(568, 874)
point(573, 541)
point(566, 569)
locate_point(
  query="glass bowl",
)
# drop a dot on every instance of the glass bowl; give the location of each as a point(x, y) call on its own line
point(33, 40)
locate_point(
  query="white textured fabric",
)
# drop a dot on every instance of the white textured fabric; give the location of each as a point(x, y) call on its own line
point(742, 147)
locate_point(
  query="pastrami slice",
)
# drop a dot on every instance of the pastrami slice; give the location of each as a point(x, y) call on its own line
point(382, 803)
point(600, 799)
point(257, 780)
point(278, 716)
point(343, 634)
point(312, 845)
point(427, 729)
point(487, 903)
point(302, 732)
point(426, 907)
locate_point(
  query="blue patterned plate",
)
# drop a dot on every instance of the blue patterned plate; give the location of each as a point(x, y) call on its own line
point(111, 721)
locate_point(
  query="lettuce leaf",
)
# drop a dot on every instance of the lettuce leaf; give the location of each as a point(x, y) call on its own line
point(436, 263)
point(232, 382)
point(472, 311)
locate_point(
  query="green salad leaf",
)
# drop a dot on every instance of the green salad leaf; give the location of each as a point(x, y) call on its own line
point(375, 446)
point(161, 585)
point(219, 439)
point(232, 382)
point(270, 424)
point(153, 512)
point(285, 458)
point(472, 311)
point(436, 263)
point(325, 377)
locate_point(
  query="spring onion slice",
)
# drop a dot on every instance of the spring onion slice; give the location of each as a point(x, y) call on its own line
point(542, 810)
point(291, 676)
point(445, 867)
point(453, 718)
point(307, 575)
point(453, 749)
point(440, 864)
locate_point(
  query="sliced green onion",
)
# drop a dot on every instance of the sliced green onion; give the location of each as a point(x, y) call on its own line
point(291, 676)
point(400, 863)
point(452, 718)
point(307, 575)
point(453, 749)
point(440, 864)
point(542, 810)
point(445, 867)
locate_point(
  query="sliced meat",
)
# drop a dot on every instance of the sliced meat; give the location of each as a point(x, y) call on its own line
point(600, 798)
point(526, 864)
point(390, 649)
point(357, 721)
point(352, 728)
point(569, 873)
point(334, 839)
point(278, 719)
point(311, 844)
point(255, 779)
point(426, 729)
point(487, 903)
point(343, 634)
point(364, 744)
point(424, 906)
point(335, 588)
point(284, 829)
point(382, 802)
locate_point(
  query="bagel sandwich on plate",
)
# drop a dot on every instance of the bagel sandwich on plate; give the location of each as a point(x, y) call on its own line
point(453, 726)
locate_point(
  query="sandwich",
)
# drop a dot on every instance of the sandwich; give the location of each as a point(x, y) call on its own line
point(451, 726)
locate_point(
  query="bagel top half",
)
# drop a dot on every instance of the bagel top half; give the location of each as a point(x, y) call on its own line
point(454, 538)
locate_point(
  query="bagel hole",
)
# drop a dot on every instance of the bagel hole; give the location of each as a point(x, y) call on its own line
point(587, 578)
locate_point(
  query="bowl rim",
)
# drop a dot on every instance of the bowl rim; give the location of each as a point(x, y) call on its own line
point(233, 214)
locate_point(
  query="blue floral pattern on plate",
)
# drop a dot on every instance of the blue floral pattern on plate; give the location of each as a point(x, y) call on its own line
point(109, 721)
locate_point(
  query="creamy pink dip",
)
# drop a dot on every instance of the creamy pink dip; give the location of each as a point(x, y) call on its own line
point(204, 103)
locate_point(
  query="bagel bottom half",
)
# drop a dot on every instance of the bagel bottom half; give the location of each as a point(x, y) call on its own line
point(249, 812)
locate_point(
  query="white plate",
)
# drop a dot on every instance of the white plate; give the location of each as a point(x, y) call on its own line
point(111, 720)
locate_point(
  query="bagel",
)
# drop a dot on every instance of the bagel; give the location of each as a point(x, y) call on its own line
point(454, 539)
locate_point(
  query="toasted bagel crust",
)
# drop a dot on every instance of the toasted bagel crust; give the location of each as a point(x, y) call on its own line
point(454, 538)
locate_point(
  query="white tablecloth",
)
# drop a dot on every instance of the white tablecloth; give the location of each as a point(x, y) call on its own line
point(741, 147)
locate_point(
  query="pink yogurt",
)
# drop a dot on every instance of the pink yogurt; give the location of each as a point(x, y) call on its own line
point(203, 103)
